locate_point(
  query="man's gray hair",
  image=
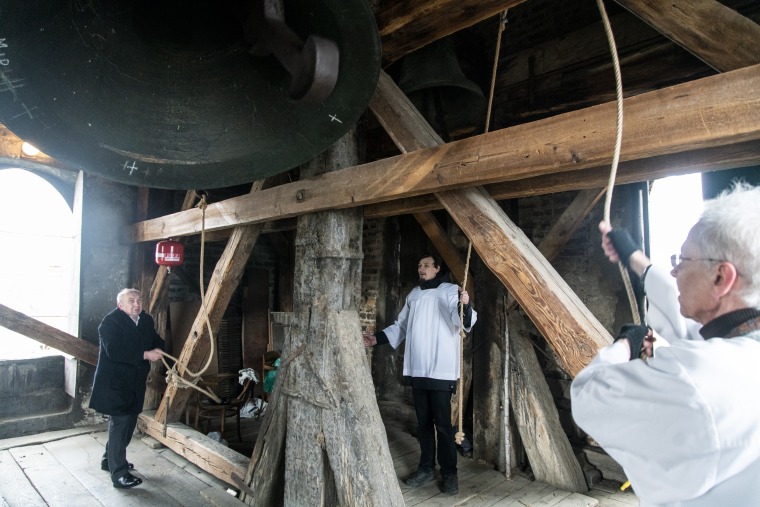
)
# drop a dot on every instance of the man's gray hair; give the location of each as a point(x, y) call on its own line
point(124, 292)
point(728, 230)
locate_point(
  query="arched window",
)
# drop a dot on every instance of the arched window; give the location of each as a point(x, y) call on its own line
point(37, 258)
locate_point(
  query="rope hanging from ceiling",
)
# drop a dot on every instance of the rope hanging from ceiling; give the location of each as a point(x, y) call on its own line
point(616, 156)
point(459, 436)
point(173, 377)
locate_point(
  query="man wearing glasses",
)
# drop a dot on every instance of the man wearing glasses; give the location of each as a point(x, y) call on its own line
point(684, 422)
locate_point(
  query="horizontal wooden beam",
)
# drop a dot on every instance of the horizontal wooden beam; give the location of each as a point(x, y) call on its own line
point(209, 455)
point(706, 113)
point(709, 159)
point(48, 335)
point(411, 24)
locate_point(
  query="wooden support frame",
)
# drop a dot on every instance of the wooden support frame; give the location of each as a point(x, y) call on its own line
point(702, 114)
point(210, 455)
point(390, 106)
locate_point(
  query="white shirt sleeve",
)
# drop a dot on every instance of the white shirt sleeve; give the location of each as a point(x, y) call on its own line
point(396, 332)
point(639, 410)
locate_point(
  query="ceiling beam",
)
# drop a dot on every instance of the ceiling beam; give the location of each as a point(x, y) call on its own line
point(408, 25)
point(709, 159)
point(707, 113)
point(714, 33)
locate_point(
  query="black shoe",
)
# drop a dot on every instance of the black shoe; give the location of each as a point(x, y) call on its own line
point(104, 465)
point(419, 478)
point(127, 481)
point(450, 485)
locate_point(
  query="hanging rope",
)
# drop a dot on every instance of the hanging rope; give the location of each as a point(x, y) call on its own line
point(616, 157)
point(502, 26)
point(173, 378)
point(459, 437)
point(613, 171)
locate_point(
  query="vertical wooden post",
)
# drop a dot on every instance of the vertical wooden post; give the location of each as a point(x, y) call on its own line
point(335, 447)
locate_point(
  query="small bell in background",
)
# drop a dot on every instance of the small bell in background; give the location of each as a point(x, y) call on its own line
point(434, 82)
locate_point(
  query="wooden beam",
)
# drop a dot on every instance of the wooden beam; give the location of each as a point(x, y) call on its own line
point(549, 451)
point(714, 33)
point(138, 275)
point(720, 158)
point(563, 229)
point(710, 159)
point(48, 335)
point(204, 452)
point(400, 119)
point(706, 113)
point(569, 221)
point(573, 332)
point(409, 25)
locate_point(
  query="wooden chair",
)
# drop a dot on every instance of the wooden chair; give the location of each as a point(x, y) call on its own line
point(234, 396)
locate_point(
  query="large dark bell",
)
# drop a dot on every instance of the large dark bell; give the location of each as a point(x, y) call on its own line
point(167, 93)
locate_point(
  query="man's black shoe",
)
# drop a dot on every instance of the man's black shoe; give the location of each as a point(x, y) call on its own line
point(127, 481)
point(104, 465)
point(419, 478)
point(450, 485)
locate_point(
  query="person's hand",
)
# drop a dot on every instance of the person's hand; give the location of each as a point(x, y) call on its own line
point(464, 298)
point(370, 340)
point(640, 340)
point(607, 246)
point(152, 355)
point(618, 246)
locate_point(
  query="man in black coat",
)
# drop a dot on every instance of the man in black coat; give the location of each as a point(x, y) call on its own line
point(128, 342)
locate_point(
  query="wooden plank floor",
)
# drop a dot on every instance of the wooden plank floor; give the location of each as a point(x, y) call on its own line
point(63, 469)
point(481, 486)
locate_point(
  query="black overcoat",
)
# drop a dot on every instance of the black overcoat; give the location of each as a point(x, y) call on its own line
point(119, 386)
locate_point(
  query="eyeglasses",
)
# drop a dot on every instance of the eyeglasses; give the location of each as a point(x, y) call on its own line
point(676, 260)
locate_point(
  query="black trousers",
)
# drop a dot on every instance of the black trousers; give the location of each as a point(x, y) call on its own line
point(120, 429)
point(434, 415)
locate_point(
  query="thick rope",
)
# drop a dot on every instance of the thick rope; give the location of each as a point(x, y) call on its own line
point(613, 172)
point(502, 26)
point(173, 378)
point(459, 437)
point(616, 157)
